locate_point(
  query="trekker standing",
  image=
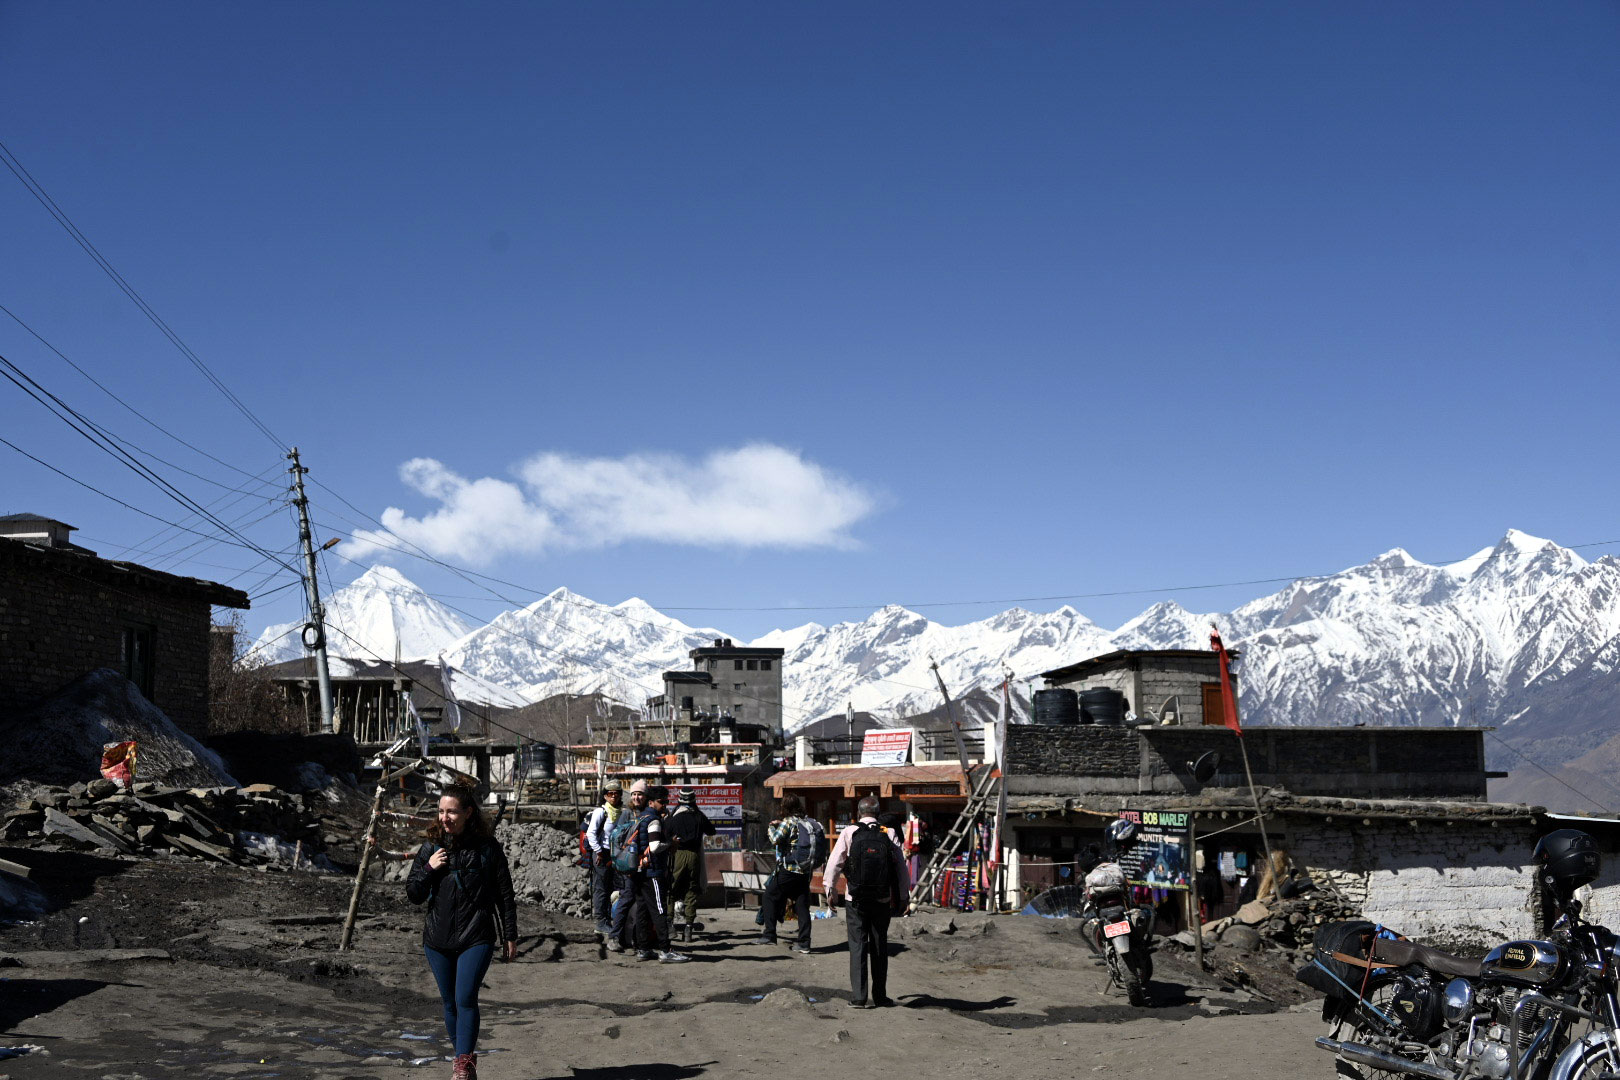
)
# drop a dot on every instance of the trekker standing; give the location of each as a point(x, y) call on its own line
point(687, 827)
point(623, 898)
point(598, 827)
point(876, 885)
point(801, 846)
point(649, 882)
point(462, 875)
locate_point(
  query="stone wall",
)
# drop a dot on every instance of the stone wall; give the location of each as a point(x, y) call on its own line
point(57, 625)
point(1464, 885)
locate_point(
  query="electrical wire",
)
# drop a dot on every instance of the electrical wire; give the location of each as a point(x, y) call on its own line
point(38, 191)
point(102, 441)
point(1551, 775)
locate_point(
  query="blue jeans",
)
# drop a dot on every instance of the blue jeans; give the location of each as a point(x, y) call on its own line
point(621, 907)
point(459, 975)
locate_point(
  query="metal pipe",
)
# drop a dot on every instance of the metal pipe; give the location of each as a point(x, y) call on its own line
point(1378, 1059)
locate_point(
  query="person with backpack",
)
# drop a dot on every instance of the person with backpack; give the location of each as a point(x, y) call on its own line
point(623, 899)
point(598, 829)
point(801, 846)
point(876, 885)
point(642, 856)
point(687, 827)
point(462, 875)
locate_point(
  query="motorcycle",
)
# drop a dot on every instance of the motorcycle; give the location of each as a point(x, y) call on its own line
point(1399, 1008)
point(1116, 928)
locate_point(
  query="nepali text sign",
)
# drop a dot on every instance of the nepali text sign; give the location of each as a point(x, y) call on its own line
point(723, 804)
point(885, 747)
point(1159, 859)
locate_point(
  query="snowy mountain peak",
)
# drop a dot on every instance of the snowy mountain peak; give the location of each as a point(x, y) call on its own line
point(385, 577)
point(1398, 558)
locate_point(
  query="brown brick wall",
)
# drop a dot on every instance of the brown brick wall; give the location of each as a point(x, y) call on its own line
point(56, 626)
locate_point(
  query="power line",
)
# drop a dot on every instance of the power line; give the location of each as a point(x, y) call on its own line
point(99, 438)
point(38, 191)
point(1552, 775)
point(142, 416)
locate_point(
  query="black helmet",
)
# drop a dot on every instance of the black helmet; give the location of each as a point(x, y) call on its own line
point(1567, 859)
point(1122, 831)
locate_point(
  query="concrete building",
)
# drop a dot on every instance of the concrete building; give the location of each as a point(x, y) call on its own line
point(64, 612)
point(732, 691)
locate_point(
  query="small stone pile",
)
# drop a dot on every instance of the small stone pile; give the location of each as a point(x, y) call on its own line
point(221, 824)
point(545, 867)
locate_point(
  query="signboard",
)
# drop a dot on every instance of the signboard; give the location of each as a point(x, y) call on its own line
point(1160, 859)
point(723, 804)
point(886, 747)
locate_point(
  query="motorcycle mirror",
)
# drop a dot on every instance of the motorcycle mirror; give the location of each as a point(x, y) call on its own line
point(1204, 768)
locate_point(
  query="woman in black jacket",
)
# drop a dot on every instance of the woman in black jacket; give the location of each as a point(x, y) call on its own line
point(461, 873)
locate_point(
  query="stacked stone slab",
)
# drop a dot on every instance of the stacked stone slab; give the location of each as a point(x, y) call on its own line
point(200, 823)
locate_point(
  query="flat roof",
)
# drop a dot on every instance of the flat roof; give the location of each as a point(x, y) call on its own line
point(1119, 656)
point(78, 563)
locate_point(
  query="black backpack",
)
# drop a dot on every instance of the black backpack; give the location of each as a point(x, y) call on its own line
point(870, 867)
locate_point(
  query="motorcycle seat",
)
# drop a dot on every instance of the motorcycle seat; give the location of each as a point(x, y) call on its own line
point(1401, 953)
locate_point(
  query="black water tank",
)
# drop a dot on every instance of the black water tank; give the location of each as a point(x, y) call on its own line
point(1056, 707)
point(542, 761)
point(1102, 705)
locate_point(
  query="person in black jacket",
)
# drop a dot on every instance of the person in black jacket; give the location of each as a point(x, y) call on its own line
point(462, 876)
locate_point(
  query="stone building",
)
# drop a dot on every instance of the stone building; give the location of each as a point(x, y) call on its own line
point(1180, 686)
point(732, 691)
point(64, 612)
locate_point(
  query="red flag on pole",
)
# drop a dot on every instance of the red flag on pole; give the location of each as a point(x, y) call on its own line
point(1228, 699)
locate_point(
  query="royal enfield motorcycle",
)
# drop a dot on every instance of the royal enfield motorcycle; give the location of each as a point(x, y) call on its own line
point(1528, 1010)
point(1118, 930)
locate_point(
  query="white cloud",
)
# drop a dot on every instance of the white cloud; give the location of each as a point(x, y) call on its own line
point(753, 496)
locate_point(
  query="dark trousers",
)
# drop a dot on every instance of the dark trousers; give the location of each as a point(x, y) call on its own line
point(868, 924)
point(602, 877)
point(787, 888)
point(650, 916)
point(621, 924)
point(686, 884)
point(459, 974)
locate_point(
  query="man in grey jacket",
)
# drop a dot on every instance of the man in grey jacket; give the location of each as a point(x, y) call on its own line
point(597, 829)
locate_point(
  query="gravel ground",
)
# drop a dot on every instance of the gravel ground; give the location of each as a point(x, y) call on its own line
point(157, 969)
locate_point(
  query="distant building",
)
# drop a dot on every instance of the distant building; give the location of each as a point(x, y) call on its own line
point(732, 691)
point(1170, 686)
point(64, 612)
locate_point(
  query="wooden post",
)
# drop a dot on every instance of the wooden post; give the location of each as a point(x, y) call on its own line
point(1259, 814)
point(367, 847)
point(1195, 919)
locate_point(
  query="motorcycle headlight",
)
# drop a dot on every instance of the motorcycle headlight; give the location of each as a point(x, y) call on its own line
point(1458, 1001)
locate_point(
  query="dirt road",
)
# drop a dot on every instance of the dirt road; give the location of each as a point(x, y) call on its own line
point(180, 970)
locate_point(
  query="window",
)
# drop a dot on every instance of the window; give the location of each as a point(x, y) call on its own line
point(736, 686)
point(753, 665)
point(764, 665)
point(736, 665)
point(138, 667)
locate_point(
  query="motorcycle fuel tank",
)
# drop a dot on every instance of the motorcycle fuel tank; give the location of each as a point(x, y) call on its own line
point(1528, 963)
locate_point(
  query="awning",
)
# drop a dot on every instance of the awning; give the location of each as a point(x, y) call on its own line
point(890, 781)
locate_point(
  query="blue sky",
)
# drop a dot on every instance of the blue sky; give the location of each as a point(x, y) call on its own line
point(739, 306)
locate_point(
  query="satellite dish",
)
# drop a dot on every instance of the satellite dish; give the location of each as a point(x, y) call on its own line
point(1204, 768)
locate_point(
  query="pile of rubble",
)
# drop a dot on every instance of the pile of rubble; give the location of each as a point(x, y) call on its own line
point(257, 824)
point(545, 867)
point(1286, 924)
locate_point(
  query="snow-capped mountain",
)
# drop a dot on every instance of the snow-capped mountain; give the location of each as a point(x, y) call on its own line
point(1523, 635)
point(369, 618)
point(566, 643)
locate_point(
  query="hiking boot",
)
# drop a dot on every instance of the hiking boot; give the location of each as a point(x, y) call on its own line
point(465, 1067)
point(882, 1002)
point(613, 945)
point(763, 941)
point(671, 957)
point(858, 1003)
point(796, 947)
point(646, 954)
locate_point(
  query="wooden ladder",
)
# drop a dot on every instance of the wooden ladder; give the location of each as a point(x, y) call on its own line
point(984, 793)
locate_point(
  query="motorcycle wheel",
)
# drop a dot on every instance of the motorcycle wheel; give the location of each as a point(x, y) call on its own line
point(1593, 1062)
point(1360, 1029)
point(1134, 982)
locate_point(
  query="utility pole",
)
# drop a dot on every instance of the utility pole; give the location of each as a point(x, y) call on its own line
point(950, 711)
point(317, 614)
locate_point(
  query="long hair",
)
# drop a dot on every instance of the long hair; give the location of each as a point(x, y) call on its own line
point(476, 827)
